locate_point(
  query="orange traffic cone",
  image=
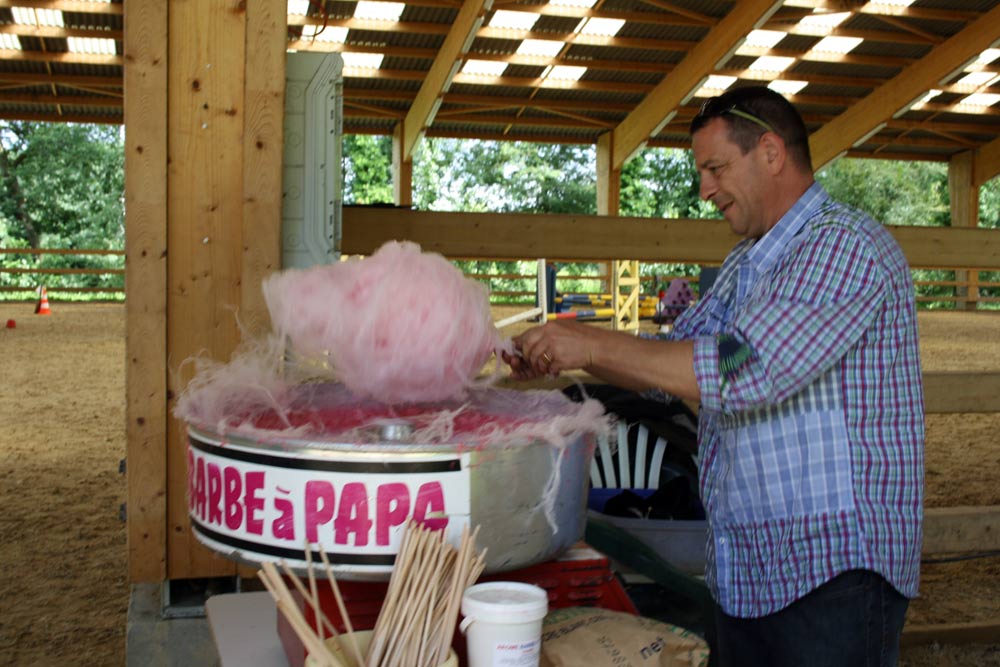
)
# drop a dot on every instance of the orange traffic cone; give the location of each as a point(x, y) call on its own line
point(42, 308)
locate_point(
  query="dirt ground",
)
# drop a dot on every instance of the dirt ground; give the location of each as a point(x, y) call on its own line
point(63, 585)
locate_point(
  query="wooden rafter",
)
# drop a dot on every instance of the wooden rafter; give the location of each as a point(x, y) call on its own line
point(677, 86)
point(986, 163)
point(864, 116)
point(442, 71)
point(66, 6)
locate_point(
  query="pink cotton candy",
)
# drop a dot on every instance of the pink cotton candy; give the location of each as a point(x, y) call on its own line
point(400, 326)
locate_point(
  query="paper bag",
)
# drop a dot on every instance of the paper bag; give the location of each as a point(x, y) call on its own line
point(590, 637)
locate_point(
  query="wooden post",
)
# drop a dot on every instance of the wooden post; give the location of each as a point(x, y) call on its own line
point(964, 213)
point(625, 273)
point(145, 51)
point(402, 170)
point(204, 111)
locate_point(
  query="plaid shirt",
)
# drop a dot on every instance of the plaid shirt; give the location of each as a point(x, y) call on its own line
point(811, 424)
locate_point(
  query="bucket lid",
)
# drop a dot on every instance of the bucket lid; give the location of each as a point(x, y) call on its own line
point(505, 602)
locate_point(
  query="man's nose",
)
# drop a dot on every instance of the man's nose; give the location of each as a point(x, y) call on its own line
point(707, 188)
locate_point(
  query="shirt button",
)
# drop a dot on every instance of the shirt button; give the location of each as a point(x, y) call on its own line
point(722, 540)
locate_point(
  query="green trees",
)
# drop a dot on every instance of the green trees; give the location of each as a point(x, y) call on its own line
point(61, 187)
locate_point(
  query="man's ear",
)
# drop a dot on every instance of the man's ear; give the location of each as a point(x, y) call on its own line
point(774, 152)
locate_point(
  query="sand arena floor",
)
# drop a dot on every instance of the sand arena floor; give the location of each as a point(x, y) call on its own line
point(63, 584)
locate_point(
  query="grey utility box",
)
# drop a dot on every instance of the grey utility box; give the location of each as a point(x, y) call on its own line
point(312, 178)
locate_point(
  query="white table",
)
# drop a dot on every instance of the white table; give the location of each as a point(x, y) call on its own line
point(245, 628)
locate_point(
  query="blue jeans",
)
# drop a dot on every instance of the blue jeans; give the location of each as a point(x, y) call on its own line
point(853, 620)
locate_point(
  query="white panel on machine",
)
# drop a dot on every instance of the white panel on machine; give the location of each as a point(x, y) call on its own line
point(311, 173)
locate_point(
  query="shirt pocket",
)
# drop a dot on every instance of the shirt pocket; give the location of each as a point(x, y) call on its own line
point(786, 466)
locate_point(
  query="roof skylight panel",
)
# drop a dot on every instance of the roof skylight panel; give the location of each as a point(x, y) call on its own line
point(298, 7)
point(333, 34)
point(771, 64)
point(52, 18)
point(714, 85)
point(505, 19)
point(978, 79)
point(566, 73)
point(787, 87)
point(362, 60)
point(379, 11)
point(920, 103)
point(599, 26)
point(839, 45)
point(986, 57)
point(476, 67)
point(821, 23)
point(10, 42)
point(762, 39)
point(92, 45)
point(540, 47)
point(977, 101)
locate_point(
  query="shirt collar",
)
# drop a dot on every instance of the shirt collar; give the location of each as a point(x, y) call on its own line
point(771, 246)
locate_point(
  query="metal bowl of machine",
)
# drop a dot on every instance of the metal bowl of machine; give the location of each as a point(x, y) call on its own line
point(264, 497)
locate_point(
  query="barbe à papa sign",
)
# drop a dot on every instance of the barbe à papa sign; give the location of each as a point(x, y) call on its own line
point(260, 504)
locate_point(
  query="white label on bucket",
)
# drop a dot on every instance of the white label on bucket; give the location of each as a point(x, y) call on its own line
point(271, 503)
point(517, 654)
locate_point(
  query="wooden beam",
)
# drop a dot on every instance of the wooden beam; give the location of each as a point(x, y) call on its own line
point(961, 391)
point(73, 6)
point(862, 118)
point(971, 632)
point(113, 102)
point(986, 163)
point(443, 69)
point(207, 75)
point(45, 31)
point(402, 170)
point(946, 247)
point(56, 117)
point(961, 529)
point(63, 58)
point(44, 78)
point(677, 86)
point(263, 152)
point(591, 237)
point(146, 284)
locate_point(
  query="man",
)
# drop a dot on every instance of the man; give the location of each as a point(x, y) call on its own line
point(804, 359)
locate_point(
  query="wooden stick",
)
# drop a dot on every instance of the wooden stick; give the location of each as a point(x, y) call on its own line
point(412, 569)
point(379, 639)
point(410, 625)
point(305, 594)
point(286, 605)
point(312, 590)
point(341, 607)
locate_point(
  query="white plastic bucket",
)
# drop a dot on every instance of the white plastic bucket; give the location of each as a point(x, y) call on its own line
point(503, 623)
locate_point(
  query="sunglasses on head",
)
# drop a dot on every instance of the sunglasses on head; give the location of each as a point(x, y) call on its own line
point(738, 110)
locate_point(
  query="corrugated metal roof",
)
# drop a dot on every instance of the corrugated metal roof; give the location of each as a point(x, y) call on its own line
point(44, 79)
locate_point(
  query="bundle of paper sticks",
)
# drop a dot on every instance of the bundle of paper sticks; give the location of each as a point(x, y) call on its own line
point(417, 622)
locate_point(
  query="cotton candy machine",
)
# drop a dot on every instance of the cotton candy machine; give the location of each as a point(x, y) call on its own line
point(347, 474)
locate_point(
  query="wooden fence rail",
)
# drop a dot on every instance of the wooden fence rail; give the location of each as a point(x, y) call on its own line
point(965, 291)
point(62, 271)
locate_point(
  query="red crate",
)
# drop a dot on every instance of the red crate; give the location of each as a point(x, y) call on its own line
point(581, 577)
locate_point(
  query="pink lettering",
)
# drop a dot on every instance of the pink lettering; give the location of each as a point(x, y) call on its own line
point(319, 507)
point(214, 493)
point(190, 479)
point(353, 515)
point(391, 509)
point(283, 527)
point(199, 493)
point(233, 490)
point(254, 502)
point(428, 508)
